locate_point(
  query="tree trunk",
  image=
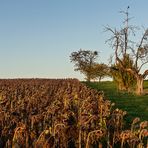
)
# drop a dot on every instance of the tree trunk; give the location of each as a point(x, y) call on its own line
point(88, 78)
point(100, 79)
point(121, 86)
point(139, 85)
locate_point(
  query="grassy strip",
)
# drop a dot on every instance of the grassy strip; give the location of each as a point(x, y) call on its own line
point(136, 106)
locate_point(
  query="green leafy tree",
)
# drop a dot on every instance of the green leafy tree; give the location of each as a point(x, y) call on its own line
point(124, 80)
point(84, 61)
point(100, 71)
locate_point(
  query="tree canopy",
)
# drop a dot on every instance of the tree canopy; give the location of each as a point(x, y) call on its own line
point(85, 61)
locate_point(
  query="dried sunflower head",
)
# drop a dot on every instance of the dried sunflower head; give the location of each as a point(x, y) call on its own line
point(144, 124)
point(136, 120)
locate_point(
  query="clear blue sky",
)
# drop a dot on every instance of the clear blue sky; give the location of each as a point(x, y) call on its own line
point(37, 36)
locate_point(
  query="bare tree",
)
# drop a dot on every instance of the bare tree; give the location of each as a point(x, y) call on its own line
point(123, 45)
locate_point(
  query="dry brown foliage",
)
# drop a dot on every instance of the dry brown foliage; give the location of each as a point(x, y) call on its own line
point(43, 113)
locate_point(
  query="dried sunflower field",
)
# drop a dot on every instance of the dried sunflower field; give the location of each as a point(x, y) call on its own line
point(63, 113)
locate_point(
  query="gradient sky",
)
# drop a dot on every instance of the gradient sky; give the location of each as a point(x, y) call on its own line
point(38, 36)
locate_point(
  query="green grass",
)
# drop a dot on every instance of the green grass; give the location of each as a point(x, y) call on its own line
point(136, 106)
